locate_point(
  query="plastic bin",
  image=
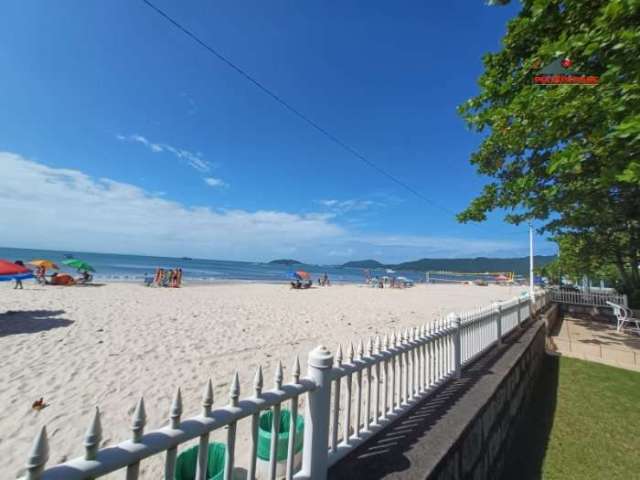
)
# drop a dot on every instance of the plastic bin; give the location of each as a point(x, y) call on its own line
point(187, 462)
point(264, 443)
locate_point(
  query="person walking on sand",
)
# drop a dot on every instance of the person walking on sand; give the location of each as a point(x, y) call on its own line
point(18, 281)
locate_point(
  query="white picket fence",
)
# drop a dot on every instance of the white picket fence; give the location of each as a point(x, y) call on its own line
point(588, 298)
point(349, 399)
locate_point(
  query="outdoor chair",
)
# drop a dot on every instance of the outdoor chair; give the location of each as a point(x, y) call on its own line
point(624, 316)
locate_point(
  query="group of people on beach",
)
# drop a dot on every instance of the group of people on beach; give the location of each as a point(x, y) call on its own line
point(306, 282)
point(40, 274)
point(61, 278)
point(165, 278)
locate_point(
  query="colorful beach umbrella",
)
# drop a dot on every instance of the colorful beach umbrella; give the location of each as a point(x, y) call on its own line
point(13, 271)
point(78, 264)
point(44, 263)
point(303, 275)
point(10, 268)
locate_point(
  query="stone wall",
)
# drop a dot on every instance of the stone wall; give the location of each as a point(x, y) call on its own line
point(479, 452)
point(459, 431)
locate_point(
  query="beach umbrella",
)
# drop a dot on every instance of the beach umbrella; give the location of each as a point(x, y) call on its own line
point(44, 263)
point(10, 268)
point(303, 275)
point(78, 264)
point(13, 271)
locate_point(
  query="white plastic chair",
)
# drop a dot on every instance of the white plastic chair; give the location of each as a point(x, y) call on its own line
point(624, 316)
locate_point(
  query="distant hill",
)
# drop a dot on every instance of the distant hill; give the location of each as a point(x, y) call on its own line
point(519, 265)
point(364, 264)
point(285, 261)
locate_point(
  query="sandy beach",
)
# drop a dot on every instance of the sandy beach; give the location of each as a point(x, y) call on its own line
point(79, 347)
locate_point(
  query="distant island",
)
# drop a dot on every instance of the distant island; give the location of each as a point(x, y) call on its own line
point(364, 264)
point(285, 261)
point(519, 265)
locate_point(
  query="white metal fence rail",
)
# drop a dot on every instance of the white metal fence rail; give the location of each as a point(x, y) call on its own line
point(349, 399)
point(591, 298)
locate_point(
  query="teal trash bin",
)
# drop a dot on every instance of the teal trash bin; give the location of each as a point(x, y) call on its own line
point(187, 462)
point(282, 445)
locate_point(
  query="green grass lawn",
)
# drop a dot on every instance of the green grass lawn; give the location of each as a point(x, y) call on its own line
point(583, 422)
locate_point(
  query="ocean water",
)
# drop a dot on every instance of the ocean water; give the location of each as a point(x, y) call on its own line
point(116, 267)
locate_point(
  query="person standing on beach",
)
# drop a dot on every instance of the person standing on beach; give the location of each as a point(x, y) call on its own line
point(18, 281)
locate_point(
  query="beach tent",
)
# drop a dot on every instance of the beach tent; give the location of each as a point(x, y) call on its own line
point(502, 278)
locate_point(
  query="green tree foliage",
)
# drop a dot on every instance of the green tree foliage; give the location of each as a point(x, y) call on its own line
point(566, 155)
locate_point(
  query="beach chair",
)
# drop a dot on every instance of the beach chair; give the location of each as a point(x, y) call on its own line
point(624, 315)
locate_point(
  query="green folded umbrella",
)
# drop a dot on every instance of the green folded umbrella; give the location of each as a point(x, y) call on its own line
point(79, 264)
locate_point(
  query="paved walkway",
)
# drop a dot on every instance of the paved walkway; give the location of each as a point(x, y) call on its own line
point(596, 340)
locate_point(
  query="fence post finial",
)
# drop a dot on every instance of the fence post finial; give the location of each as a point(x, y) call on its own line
point(176, 409)
point(360, 349)
point(258, 381)
point(278, 376)
point(339, 355)
point(38, 456)
point(378, 344)
point(315, 454)
point(386, 341)
point(207, 398)
point(350, 352)
point(296, 370)
point(369, 347)
point(139, 420)
point(234, 392)
point(93, 436)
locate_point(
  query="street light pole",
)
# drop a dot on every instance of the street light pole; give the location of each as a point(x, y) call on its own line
point(531, 291)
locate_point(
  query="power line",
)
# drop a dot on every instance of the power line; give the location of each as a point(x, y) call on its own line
point(295, 111)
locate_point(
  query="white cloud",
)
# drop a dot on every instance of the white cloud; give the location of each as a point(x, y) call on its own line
point(193, 159)
point(340, 207)
point(65, 209)
point(214, 182)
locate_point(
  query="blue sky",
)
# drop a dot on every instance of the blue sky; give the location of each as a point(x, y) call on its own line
point(120, 134)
